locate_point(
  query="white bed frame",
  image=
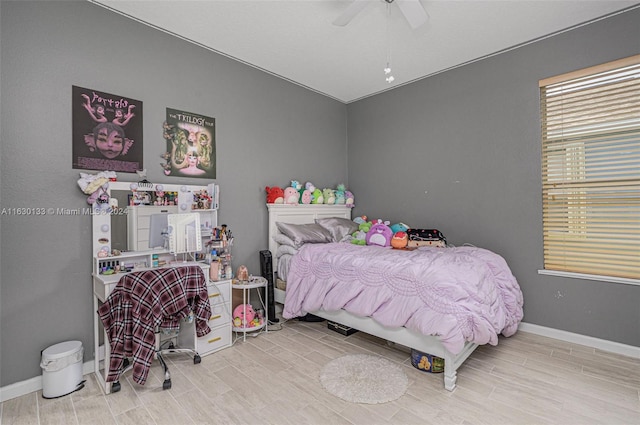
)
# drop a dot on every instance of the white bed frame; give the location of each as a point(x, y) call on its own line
point(307, 213)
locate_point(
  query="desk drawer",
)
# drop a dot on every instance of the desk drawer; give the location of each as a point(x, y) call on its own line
point(215, 340)
point(220, 315)
point(219, 292)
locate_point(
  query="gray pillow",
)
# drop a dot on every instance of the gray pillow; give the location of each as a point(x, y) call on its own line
point(304, 233)
point(339, 227)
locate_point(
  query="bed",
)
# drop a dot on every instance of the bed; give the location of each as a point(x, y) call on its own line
point(340, 282)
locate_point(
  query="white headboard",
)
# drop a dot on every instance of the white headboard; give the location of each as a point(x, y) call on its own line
point(299, 214)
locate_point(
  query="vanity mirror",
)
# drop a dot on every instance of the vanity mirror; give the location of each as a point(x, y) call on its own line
point(123, 229)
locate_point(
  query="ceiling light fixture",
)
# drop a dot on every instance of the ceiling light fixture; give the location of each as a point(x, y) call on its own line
point(387, 70)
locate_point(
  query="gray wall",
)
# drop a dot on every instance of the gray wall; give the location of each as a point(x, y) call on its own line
point(460, 151)
point(269, 131)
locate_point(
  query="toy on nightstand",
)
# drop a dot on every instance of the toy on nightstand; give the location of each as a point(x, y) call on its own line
point(242, 274)
point(243, 315)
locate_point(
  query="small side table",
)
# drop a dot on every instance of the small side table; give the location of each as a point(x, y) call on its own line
point(254, 282)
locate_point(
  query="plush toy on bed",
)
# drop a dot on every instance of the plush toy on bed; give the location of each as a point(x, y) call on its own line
point(275, 195)
point(361, 219)
point(359, 236)
point(329, 196)
point(399, 227)
point(399, 240)
point(379, 234)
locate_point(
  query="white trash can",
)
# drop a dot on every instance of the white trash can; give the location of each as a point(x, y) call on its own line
point(62, 369)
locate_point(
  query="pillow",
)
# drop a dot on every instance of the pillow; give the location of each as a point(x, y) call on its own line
point(304, 233)
point(284, 240)
point(338, 227)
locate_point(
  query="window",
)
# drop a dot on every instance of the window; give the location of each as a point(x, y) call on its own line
point(591, 170)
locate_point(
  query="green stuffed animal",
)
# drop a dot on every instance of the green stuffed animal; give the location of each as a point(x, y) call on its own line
point(316, 197)
point(358, 237)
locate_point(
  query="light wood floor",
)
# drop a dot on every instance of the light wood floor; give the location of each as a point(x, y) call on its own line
point(273, 379)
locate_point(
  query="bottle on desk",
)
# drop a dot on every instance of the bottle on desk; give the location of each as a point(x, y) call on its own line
point(214, 270)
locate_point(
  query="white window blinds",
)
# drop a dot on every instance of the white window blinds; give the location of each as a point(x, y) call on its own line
point(591, 170)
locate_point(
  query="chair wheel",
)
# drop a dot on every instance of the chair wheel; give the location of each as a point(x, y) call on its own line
point(197, 359)
point(166, 384)
point(115, 387)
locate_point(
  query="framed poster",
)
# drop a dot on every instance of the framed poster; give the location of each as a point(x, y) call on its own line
point(107, 131)
point(191, 145)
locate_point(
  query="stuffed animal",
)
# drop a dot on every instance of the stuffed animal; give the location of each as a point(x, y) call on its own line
point(329, 196)
point(317, 197)
point(361, 219)
point(296, 184)
point(245, 313)
point(339, 193)
point(399, 227)
point(399, 240)
point(305, 196)
point(275, 195)
point(349, 199)
point(291, 195)
point(379, 234)
point(310, 186)
point(359, 236)
point(96, 186)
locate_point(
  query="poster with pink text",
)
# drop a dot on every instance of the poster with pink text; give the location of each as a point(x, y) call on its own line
point(107, 131)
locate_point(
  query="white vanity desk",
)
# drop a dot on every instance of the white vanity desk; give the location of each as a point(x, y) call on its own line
point(103, 284)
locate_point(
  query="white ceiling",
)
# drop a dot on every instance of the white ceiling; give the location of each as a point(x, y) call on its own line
point(296, 40)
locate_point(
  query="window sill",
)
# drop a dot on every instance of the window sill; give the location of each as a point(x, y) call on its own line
point(622, 280)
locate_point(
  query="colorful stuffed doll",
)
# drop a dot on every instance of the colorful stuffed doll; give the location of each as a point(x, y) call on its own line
point(329, 196)
point(317, 197)
point(305, 196)
point(339, 193)
point(275, 195)
point(379, 234)
point(245, 313)
point(291, 195)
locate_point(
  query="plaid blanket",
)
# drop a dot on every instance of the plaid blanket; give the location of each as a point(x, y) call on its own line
point(143, 301)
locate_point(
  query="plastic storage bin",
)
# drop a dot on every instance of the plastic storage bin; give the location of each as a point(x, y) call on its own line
point(62, 369)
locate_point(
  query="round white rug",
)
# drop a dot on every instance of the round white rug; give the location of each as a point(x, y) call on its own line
point(363, 378)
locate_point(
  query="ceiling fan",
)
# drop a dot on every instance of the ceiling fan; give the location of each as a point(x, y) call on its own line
point(411, 9)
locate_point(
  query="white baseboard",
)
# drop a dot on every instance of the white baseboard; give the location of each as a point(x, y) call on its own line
point(589, 341)
point(33, 384)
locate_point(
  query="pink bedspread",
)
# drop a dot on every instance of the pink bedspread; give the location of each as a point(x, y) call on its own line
point(459, 294)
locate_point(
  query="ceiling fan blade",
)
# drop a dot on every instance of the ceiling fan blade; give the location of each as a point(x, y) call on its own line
point(413, 11)
point(350, 12)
